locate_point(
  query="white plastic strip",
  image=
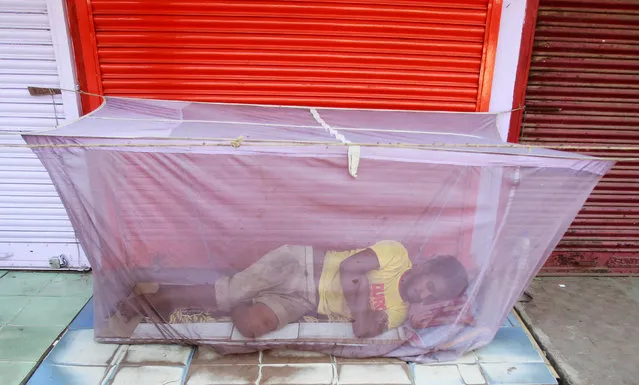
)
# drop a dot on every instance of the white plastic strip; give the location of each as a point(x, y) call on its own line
point(328, 128)
point(354, 152)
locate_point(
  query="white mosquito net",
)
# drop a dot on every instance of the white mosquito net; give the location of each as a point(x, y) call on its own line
point(356, 232)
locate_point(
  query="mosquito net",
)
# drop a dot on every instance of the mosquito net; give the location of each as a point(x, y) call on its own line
point(355, 232)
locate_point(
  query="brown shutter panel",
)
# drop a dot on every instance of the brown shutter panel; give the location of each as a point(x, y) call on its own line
point(432, 55)
point(583, 89)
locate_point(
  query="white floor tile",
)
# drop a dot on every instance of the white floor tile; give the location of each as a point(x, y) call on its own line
point(437, 375)
point(195, 331)
point(222, 375)
point(472, 374)
point(78, 348)
point(354, 374)
point(310, 374)
point(151, 375)
point(286, 356)
point(206, 355)
point(467, 358)
point(340, 330)
point(157, 354)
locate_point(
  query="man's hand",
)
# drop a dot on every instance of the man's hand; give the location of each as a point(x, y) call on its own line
point(370, 324)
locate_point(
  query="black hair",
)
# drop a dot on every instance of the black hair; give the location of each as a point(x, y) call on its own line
point(451, 269)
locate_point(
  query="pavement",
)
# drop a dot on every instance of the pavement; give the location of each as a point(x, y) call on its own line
point(44, 341)
point(589, 327)
point(35, 309)
point(511, 359)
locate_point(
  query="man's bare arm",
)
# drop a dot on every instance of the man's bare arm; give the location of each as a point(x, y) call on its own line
point(367, 323)
point(371, 322)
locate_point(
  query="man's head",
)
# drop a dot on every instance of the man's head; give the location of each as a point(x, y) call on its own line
point(439, 279)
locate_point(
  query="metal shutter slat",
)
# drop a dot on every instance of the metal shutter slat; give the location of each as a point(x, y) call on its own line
point(357, 53)
point(25, 52)
point(33, 222)
point(22, 96)
point(22, 6)
point(584, 89)
point(24, 20)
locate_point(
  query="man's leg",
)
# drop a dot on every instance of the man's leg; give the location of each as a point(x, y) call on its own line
point(186, 296)
point(254, 320)
point(287, 302)
point(270, 271)
point(269, 274)
point(162, 302)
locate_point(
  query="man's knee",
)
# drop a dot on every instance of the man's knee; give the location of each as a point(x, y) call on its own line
point(255, 320)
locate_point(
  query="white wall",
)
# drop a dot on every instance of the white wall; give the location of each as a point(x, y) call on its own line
point(501, 99)
point(510, 30)
point(34, 51)
point(56, 10)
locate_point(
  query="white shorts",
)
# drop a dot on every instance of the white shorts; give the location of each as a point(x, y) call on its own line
point(282, 280)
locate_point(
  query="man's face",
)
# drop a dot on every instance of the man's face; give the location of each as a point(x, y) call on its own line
point(427, 289)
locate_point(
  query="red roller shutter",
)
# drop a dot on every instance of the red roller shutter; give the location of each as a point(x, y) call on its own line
point(583, 89)
point(432, 55)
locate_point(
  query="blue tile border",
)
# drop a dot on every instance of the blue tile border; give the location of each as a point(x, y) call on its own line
point(44, 373)
point(52, 374)
point(511, 321)
point(514, 321)
point(518, 374)
point(78, 347)
point(84, 319)
point(510, 345)
point(187, 366)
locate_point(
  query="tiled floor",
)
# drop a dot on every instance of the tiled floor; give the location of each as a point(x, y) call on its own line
point(34, 309)
point(511, 359)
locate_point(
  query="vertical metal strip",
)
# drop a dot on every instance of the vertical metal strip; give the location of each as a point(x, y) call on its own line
point(64, 58)
point(523, 69)
point(489, 54)
point(86, 52)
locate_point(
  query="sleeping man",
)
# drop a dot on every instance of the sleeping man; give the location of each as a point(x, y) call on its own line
point(371, 287)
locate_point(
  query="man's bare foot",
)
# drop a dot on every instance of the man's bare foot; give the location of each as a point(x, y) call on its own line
point(146, 288)
point(152, 306)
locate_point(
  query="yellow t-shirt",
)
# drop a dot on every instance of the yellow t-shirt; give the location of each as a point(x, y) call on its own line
point(384, 283)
